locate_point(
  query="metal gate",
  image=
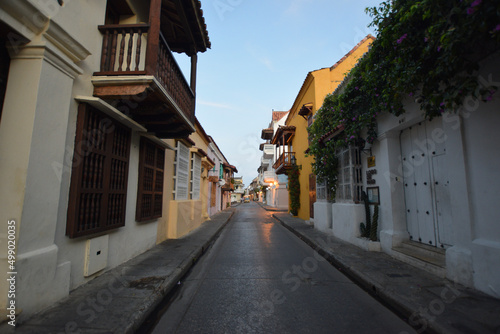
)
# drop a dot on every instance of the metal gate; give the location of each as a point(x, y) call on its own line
point(426, 184)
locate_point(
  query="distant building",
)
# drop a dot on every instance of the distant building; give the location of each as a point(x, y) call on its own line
point(292, 139)
point(275, 192)
point(239, 190)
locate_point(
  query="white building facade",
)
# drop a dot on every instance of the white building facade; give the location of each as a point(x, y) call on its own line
point(81, 174)
point(276, 185)
point(436, 186)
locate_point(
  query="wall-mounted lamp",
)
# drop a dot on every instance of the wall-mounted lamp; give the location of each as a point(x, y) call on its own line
point(360, 144)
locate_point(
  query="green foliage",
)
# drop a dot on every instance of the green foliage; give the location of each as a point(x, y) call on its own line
point(294, 190)
point(366, 228)
point(427, 51)
point(264, 190)
point(374, 227)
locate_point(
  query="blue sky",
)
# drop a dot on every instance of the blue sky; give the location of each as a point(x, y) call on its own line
point(261, 53)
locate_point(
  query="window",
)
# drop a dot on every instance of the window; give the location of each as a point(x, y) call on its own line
point(310, 120)
point(4, 68)
point(213, 196)
point(195, 176)
point(150, 187)
point(181, 172)
point(322, 192)
point(350, 182)
point(98, 191)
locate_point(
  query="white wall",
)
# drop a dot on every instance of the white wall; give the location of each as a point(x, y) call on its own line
point(41, 107)
point(482, 153)
point(473, 156)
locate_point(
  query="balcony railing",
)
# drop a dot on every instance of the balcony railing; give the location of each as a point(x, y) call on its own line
point(125, 52)
point(228, 186)
point(268, 151)
point(123, 46)
point(172, 79)
point(265, 162)
point(284, 162)
point(270, 177)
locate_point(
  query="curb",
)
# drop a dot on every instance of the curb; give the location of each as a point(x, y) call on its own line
point(371, 287)
point(126, 322)
point(271, 209)
point(169, 283)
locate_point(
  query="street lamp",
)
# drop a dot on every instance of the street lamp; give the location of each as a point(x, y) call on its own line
point(293, 160)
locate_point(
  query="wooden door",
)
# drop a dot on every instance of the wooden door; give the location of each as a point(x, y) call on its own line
point(427, 197)
point(312, 194)
point(417, 185)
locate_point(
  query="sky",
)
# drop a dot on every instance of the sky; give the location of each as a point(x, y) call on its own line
point(261, 53)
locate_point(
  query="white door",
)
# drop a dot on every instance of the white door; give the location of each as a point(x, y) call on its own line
point(440, 182)
point(417, 184)
point(423, 155)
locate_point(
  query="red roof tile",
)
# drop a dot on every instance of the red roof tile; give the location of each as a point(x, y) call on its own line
point(277, 115)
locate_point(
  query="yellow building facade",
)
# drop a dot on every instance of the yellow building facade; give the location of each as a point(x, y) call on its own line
point(310, 98)
point(186, 214)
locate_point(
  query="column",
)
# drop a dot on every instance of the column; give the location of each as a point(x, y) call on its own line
point(392, 204)
point(33, 136)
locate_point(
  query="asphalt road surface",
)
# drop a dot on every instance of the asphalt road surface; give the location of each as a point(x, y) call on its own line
point(260, 278)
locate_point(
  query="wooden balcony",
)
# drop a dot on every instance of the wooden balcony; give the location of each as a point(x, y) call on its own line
point(284, 162)
point(140, 76)
point(228, 186)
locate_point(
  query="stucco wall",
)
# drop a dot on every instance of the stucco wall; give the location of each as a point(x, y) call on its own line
point(41, 111)
point(482, 154)
point(472, 154)
point(184, 217)
point(345, 220)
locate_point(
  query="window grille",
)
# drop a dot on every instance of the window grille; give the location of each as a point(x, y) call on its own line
point(150, 187)
point(350, 181)
point(322, 192)
point(98, 191)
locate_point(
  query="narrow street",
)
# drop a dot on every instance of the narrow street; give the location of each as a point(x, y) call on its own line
point(260, 278)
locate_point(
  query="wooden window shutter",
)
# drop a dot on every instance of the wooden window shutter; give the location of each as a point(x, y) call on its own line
point(196, 176)
point(182, 172)
point(150, 187)
point(98, 191)
point(213, 198)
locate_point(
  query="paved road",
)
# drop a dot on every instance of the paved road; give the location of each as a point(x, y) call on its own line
point(260, 278)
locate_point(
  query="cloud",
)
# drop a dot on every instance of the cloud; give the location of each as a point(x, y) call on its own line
point(215, 105)
point(260, 55)
point(295, 7)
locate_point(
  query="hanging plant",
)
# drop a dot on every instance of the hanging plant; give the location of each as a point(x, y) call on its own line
point(264, 190)
point(294, 190)
point(427, 51)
